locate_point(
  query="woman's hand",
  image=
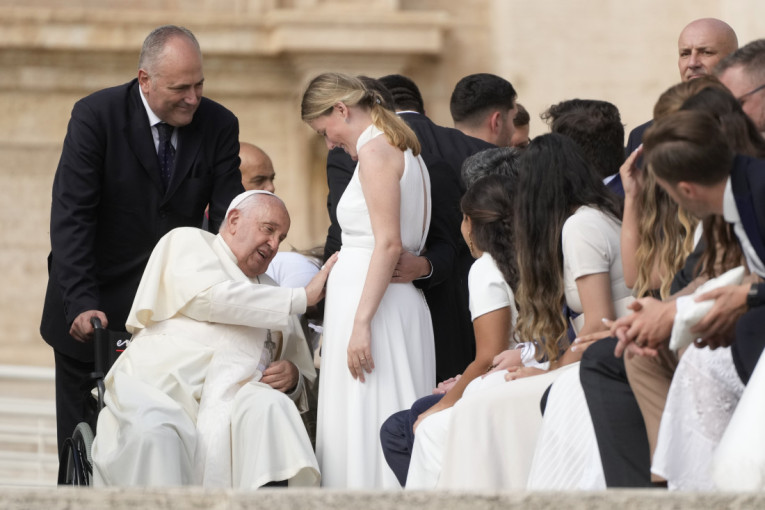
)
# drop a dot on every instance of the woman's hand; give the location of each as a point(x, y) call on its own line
point(360, 351)
point(505, 360)
point(632, 176)
point(514, 373)
point(314, 291)
point(581, 343)
point(446, 385)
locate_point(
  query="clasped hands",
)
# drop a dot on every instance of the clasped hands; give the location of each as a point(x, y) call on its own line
point(649, 326)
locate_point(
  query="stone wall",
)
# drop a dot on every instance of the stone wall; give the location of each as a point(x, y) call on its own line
point(259, 54)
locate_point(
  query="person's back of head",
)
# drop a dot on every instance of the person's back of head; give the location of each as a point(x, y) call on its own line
point(476, 98)
point(489, 205)
point(499, 161)
point(326, 90)
point(596, 126)
point(521, 123)
point(672, 99)
point(743, 72)
point(750, 56)
point(386, 98)
point(737, 128)
point(688, 146)
point(406, 95)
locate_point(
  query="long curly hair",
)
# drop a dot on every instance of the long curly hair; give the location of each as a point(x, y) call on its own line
point(555, 180)
point(666, 234)
point(328, 89)
point(489, 205)
point(665, 230)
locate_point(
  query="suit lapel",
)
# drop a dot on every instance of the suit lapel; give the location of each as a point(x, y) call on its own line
point(140, 139)
point(742, 193)
point(189, 142)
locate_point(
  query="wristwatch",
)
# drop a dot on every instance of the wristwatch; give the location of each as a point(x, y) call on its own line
point(754, 297)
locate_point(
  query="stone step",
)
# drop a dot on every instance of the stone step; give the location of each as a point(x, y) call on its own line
point(15, 498)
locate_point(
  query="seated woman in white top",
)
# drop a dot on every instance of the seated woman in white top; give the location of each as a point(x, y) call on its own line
point(487, 229)
point(567, 241)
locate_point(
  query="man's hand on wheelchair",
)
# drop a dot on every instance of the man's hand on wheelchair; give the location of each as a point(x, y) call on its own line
point(82, 329)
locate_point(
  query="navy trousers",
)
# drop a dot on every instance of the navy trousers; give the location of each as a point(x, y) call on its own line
point(397, 436)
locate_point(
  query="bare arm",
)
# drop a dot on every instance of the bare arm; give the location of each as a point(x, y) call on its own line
point(491, 333)
point(633, 182)
point(380, 169)
point(595, 294)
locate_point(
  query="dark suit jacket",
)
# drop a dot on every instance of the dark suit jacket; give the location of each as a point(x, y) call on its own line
point(446, 289)
point(748, 185)
point(616, 185)
point(447, 144)
point(109, 208)
point(635, 137)
point(633, 142)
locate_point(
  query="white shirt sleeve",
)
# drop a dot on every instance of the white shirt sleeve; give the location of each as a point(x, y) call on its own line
point(290, 269)
point(586, 246)
point(487, 288)
point(247, 304)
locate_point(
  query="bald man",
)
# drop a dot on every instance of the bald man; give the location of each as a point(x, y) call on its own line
point(702, 44)
point(256, 167)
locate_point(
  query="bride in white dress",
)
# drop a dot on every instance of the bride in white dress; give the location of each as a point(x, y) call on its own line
point(378, 354)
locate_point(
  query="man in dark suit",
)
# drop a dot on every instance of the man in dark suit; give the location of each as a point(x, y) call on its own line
point(483, 106)
point(702, 44)
point(138, 160)
point(617, 419)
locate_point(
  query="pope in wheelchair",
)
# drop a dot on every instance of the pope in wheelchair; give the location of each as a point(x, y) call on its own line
point(209, 390)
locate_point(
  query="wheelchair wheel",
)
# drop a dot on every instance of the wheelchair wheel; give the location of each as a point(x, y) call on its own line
point(76, 454)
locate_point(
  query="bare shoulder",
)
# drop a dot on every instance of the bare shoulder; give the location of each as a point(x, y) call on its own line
point(379, 157)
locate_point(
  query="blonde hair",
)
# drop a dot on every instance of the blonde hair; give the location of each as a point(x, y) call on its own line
point(666, 231)
point(328, 89)
point(666, 234)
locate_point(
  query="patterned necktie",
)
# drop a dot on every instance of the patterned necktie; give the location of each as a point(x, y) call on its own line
point(165, 152)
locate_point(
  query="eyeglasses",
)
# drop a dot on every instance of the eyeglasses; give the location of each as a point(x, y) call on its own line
point(740, 99)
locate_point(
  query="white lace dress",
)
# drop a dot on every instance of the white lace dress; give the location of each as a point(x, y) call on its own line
point(702, 398)
point(351, 412)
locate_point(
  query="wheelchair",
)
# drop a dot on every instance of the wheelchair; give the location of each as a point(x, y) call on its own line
point(75, 457)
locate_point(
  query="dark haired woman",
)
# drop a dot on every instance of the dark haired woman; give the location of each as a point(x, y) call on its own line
point(487, 228)
point(567, 241)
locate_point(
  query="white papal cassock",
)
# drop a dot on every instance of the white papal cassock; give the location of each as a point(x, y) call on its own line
point(183, 402)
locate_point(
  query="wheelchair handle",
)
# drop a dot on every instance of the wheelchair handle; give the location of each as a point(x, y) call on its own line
point(96, 323)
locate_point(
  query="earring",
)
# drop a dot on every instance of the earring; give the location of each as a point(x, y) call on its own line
point(470, 244)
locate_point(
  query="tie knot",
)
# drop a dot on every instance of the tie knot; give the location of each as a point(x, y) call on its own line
point(165, 131)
